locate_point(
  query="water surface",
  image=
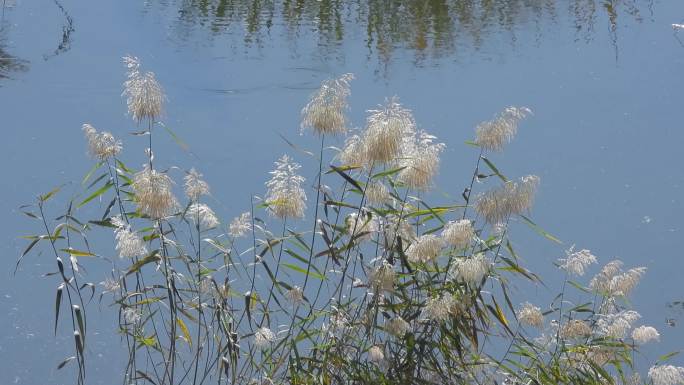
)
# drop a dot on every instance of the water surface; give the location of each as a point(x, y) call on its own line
point(604, 79)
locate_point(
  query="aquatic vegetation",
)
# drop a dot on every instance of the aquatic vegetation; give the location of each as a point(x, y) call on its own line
point(383, 287)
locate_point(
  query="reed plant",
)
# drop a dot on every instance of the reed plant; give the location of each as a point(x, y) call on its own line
point(356, 281)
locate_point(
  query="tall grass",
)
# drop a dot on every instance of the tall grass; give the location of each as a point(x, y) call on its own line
point(380, 287)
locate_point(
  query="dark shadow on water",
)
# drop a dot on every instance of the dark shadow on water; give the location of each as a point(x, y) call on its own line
point(8, 63)
point(67, 30)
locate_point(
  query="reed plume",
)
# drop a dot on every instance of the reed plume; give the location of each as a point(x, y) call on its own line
point(285, 196)
point(325, 112)
point(144, 95)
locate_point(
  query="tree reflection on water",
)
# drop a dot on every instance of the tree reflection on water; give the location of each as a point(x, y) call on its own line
point(425, 27)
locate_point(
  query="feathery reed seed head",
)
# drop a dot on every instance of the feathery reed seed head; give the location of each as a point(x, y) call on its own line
point(576, 262)
point(382, 277)
point(144, 95)
point(645, 334)
point(195, 186)
point(575, 329)
point(493, 135)
point(128, 243)
point(202, 214)
point(470, 270)
point(263, 337)
point(458, 234)
point(420, 160)
point(285, 196)
point(666, 375)
point(377, 193)
point(240, 225)
point(397, 326)
point(101, 145)
point(153, 193)
point(530, 315)
point(425, 249)
point(514, 197)
point(385, 131)
point(325, 112)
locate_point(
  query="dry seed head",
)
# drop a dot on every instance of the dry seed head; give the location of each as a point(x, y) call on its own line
point(263, 336)
point(377, 193)
point(128, 243)
point(354, 152)
point(438, 308)
point(425, 249)
point(666, 375)
point(153, 193)
point(295, 295)
point(195, 186)
point(611, 281)
point(616, 325)
point(530, 315)
point(101, 145)
point(241, 225)
point(394, 227)
point(575, 329)
point(285, 196)
point(375, 354)
point(644, 334)
point(382, 278)
point(458, 234)
point(493, 135)
point(325, 112)
point(397, 326)
point(470, 270)
point(576, 262)
point(202, 214)
point(514, 197)
point(420, 159)
point(144, 95)
point(385, 131)
point(361, 228)
point(131, 315)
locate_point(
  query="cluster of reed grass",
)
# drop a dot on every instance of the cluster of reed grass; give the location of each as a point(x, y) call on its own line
point(380, 287)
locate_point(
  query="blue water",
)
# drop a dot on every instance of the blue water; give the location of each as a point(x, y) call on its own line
point(606, 135)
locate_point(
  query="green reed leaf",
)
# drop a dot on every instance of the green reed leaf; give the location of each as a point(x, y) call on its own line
point(97, 193)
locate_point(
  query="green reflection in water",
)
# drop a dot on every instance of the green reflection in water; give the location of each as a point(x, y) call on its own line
point(425, 27)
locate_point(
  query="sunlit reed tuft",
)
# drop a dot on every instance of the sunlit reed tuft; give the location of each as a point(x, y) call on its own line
point(285, 196)
point(144, 95)
point(530, 315)
point(470, 270)
point(618, 324)
point(202, 214)
point(645, 334)
point(128, 243)
point(153, 193)
point(397, 326)
point(325, 112)
point(425, 249)
point(195, 186)
point(263, 337)
point(666, 375)
point(576, 262)
point(514, 197)
point(377, 193)
point(458, 234)
point(420, 160)
point(385, 131)
point(240, 225)
point(493, 135)
point(101, 145)
point(382, 277)
point(575, 329)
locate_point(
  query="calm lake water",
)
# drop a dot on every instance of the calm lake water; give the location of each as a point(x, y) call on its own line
point(605, 80)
